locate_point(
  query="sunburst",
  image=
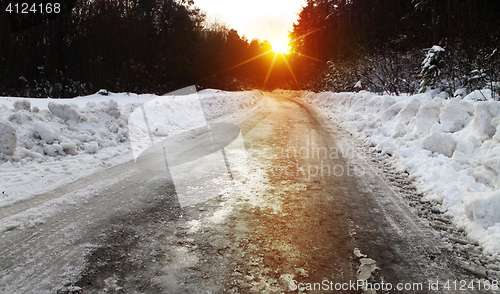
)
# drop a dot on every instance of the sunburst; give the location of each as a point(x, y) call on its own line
point(280, 47)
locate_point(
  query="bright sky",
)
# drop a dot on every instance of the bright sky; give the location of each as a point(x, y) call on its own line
point(255, 19)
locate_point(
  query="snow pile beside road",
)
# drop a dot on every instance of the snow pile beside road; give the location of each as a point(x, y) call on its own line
point(8, 137)
point(450, 146)
point(167, 116)
point(216, 103)
point(58, 144)
point(46, 143)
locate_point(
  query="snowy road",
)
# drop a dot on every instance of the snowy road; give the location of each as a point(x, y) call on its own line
point(310, 209)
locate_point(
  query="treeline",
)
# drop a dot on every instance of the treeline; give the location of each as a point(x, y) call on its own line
point(142, 46)
point(155, 46)
point(379, 43)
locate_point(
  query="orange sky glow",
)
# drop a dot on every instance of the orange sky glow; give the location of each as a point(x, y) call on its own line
point(258, 19)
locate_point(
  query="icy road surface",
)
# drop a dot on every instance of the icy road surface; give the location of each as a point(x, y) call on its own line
point(293, 205)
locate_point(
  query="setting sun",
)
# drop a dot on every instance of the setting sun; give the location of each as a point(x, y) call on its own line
point(281, 46)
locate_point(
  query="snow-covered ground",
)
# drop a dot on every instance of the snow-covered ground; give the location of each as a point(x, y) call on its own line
point(450, 147)
point(46, 143)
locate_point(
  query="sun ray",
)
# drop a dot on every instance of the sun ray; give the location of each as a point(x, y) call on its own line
point(281, 47)
point(307, 56)
point(281, 51)
point(278, 47)
point(290, 69)
point(246, 61)
point(270, 69)
point(307, 34)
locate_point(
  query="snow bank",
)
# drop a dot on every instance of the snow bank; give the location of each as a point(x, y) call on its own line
point(450, 147)
point(170, 115)
point(442, 143)
point(8, 137)
point(45, 132)
point(46, 143)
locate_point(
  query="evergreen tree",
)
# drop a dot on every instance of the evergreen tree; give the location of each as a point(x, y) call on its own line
point(432, 69)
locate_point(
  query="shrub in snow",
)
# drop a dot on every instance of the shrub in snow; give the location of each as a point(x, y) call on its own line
point(22, 105)
point(46, 132)
point(442, 143)
point(477, 79)
point(66, 112)
point(389, 72)
point(8, 137)
point(103, 92)
point(479, 95)
point(459, 92)
point(341, 76)
point(432, 69)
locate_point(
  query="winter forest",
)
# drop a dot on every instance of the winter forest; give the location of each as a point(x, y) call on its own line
point(155, 46)
point(149, 146)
